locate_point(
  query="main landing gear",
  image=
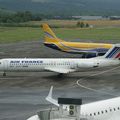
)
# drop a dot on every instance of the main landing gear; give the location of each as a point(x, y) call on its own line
point(4, 74)
point(60, 75)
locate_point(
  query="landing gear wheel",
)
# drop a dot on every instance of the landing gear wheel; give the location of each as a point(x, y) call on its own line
point(4, 74)
point(60, 75)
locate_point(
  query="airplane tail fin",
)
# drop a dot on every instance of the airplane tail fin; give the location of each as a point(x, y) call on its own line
point(50, 99)
point(50, 36)
point(113, 53)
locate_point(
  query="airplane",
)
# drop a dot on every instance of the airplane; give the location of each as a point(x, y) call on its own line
point(88, 50)
point(60, 65)
point(100, 110)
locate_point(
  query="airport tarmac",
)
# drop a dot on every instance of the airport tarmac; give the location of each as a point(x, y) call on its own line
point(23, 94)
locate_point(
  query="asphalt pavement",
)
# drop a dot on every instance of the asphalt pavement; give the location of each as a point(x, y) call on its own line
point(22, 94)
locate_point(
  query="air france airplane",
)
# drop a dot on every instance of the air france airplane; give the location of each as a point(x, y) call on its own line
point(101, 110)
point(60, 65)
point(88, 50)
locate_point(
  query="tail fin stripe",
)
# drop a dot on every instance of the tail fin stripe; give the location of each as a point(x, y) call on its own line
point(49, 35)
point(118, 56)
point(112, 52)
point(115, 53)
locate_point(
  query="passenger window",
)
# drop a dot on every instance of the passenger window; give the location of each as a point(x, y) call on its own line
point(94, 113)
point(102, 112)
point(98, 113)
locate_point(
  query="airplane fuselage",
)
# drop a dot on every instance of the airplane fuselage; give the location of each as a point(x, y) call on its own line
point(102, 110)
point(79, 47)
point(37, 64)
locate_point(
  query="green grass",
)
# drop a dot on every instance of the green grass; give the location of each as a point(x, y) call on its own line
point(92, 34)
point(16, 34)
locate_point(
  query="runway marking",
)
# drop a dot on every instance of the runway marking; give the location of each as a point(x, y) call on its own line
point(91, 89)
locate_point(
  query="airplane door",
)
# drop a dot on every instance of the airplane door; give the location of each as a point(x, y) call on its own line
point(73, 65)
point(5, 65)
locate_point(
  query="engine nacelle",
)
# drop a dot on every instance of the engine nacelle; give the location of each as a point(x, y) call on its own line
point(90, 64)
point(89, 55)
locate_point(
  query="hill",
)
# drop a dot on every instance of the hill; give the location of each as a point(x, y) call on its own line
point(64, 7)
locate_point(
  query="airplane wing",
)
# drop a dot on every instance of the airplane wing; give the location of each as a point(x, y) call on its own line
point(60, 70)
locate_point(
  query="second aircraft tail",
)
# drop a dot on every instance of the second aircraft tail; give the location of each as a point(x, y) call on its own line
point(50, 36)
point(113, 53)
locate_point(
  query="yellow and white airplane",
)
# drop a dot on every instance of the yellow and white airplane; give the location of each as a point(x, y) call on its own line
point(89, 49)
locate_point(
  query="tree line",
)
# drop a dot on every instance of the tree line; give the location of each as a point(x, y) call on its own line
point(19, 17)
point(82, 24)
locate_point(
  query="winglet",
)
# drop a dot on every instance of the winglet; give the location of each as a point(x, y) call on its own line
point(50, 92)
point(50, 99)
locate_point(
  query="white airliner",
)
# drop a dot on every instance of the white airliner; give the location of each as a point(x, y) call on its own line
point(61, 65)
point(101, 110)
